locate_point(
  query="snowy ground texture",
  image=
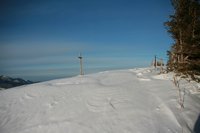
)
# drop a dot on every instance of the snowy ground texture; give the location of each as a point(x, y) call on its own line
point(122, 101)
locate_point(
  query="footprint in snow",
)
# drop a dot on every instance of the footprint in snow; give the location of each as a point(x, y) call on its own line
point(158, 108)
point(28, 96)
point(51, 105)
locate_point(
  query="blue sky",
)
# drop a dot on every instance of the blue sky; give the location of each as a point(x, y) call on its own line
point(41, 39)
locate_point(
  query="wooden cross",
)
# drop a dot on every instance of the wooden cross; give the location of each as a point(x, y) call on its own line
point(81, 64)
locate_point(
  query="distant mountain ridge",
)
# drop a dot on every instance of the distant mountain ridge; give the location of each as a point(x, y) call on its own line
point(8, 82)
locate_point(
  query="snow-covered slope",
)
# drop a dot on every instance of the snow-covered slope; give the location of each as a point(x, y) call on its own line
point(123, 101)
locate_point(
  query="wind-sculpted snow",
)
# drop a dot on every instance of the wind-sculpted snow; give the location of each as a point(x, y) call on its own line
point(122, 101)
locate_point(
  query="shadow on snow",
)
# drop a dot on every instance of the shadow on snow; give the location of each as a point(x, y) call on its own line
point(197, 126)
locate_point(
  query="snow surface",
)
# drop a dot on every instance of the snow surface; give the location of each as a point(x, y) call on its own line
point(121, 101)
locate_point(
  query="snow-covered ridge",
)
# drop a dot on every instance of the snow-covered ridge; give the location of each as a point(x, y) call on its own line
point(121, 101)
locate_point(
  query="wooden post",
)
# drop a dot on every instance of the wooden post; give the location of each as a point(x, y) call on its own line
point(161, 64)
point(155, 62)
point(81, 64)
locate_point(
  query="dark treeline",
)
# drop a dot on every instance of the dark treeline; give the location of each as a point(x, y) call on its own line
point(184, 27)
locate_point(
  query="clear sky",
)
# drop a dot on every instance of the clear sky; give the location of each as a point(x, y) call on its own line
point(41, 39)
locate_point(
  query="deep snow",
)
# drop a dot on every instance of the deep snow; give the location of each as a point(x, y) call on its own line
point(121, 101)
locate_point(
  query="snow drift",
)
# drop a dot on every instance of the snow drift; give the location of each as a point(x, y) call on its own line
point(122, 101)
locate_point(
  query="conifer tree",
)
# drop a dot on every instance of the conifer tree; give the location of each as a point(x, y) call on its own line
point(184, 27)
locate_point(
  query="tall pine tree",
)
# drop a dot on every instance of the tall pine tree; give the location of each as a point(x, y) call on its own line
point(184, 27)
